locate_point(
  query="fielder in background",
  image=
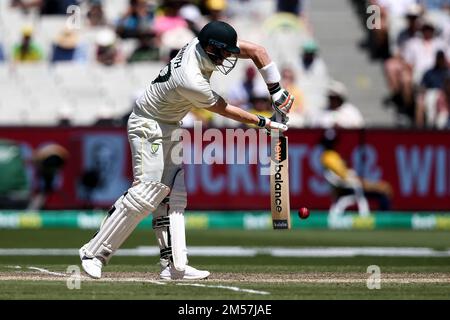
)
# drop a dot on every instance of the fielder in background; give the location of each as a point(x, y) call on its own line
point(347, 187)
point(159, 185)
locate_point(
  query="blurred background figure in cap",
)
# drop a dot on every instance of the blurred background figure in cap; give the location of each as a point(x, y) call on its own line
point(395, 68)
point(193, 17)
point(96, 14)
point(2, 53)
point(137, 20)
point(45, 7)
point(339, 112)
point(66, 47)
point(431, 87)
point(146, 49)
point(216, 9)
point(108, 53)
point(346, 182)
point(27, 50)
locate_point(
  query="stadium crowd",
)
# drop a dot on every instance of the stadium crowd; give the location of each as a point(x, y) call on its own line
point(150, 32)
point(412, 42)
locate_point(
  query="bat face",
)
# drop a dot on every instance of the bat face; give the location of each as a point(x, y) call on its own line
point(279, 183)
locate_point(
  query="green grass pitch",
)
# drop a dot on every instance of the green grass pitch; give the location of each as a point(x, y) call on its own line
point(236, 278)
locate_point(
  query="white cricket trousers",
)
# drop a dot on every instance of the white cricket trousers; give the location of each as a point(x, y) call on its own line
point(151, 149)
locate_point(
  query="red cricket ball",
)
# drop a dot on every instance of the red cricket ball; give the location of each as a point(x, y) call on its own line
point(303, 213)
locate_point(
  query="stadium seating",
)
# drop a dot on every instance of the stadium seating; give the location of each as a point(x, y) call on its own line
point(43, 93)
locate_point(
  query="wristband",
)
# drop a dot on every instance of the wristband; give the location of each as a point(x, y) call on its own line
point(274, 89)
point(262, 121)
point(270, 73)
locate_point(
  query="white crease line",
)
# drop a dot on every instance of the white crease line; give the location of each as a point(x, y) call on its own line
point(129, 280)
point(155, 282)
point(223, 287)
point(327, 281)
point(13, 267)
point(48, 271)
point(98, 280)
point(229, 251)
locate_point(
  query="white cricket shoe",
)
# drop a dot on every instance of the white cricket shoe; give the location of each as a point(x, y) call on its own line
point(92, 266)
point(82, 251)
point(190, 273)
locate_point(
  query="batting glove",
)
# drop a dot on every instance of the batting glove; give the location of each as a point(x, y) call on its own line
point(282, 101)
point(269, 124)
point(280, 117)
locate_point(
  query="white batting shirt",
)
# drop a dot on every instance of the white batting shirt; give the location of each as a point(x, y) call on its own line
point(180, 85)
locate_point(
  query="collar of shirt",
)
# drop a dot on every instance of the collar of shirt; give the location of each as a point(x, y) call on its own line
point(204, 61)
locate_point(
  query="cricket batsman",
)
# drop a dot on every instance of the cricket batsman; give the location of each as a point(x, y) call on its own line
point(159, 186)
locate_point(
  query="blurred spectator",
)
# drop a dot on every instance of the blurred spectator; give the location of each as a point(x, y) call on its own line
point(312, 76)
point(430, 109)
point(241, 94)
point(420, 53)
point(2, 55)
point(394, 8)
point(107, 52)
point(339, 113)
point(312, 66)
point(397, 75)
point(379, 37)
point(173, 40)
point(251, 94)
point(346, 183)
point(288, 81)
point(95, 14)
point(412, 29)
point(296, 114)
point(146, 49)
point(137, 20)
point(193, 17)
point(446, 30)
point(434, 78)
point(170, 19)
point(391, 13)
point(443, 105)
point(215, 9)
point(261, 102)
point(435, 4)
point(290, 6)
point(67, 47)
point(433, 106)
point(27, 50)
point(45, 7)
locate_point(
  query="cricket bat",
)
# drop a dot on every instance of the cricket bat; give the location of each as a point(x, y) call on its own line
point(279, 181)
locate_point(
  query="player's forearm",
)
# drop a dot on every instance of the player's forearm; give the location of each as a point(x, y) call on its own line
point(237, 114)
point(281, 99)
point(234, 113)
point(256, 53)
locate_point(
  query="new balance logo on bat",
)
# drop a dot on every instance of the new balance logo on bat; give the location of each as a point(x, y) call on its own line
point(280, 151)
point(279, 184)
point(278, 187)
